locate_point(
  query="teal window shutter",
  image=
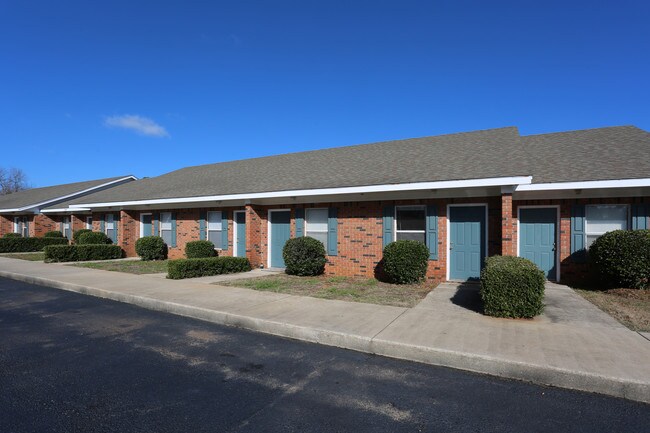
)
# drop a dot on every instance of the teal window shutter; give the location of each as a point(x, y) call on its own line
point(300, 222)
point(432, 231)
point(640, 213)
point(156, 224)
point(61, 225)
point(173, 229)
point(389, 215)
point(203, 235)
point(224, 230)
point(578, 252)
point(332, 232)
point(102, 224)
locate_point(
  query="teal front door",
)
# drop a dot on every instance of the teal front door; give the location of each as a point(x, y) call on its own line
point(240, 222)
point(537, 231)
point(280, 234)
point(466, 242)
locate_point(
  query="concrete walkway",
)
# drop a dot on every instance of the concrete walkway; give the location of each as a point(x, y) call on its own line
point(572, 345)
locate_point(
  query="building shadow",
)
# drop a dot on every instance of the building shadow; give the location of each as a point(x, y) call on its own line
point(467, 296)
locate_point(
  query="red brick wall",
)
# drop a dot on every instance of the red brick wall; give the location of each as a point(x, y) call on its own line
point(6, 224)
point(569, 270)
point(360, 237)
point(44, 223)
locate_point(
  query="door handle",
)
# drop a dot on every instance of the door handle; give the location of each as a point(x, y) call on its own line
point(553, 246)
point(451, 246)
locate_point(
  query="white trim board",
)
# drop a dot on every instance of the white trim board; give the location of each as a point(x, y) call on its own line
point(614, 183)
point(447, 184)
point(63, 197)
point(558, 231)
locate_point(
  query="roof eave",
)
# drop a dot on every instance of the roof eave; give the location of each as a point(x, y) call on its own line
point(450, 184)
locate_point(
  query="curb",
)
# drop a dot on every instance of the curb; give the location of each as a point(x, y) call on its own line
point(551, 376)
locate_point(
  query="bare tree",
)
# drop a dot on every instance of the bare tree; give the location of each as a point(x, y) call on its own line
point(12, 180)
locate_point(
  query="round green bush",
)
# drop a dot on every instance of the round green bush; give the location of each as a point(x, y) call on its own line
point(93, 238)
point(151, 248)
point(622, 258)
point(199, 249)
point(304, 256)
point(512, 287)
point(75, 235)
point(12, 235)
point(405, 261)
point(53, 234)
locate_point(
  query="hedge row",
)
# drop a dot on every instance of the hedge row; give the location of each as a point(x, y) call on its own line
point(192, 268)
point(151, 248)
point(80, 253)
point(199, 249)
point(25, 245)
point(621, 258)
point(512, 287)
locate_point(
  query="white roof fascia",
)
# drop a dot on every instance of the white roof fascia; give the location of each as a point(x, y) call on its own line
point(447, 184)
point(38, 205)
point(592, 184)
point(67, 209)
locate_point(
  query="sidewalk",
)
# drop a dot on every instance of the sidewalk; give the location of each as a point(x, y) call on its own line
point(572, 345)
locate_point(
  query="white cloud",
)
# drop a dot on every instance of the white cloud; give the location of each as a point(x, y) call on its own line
point(139, 124)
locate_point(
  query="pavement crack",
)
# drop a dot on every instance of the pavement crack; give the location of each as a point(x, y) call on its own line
point(390, 323)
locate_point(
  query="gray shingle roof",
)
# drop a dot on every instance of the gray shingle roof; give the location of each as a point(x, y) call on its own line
point(35, 196)
point(471, 155)
point(620, 152)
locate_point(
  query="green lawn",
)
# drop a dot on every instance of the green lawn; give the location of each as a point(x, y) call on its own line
point(128, 266)
point(33, 257)
point(341, 288)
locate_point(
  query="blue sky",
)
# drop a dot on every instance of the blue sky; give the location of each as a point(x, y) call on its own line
point(98, 89)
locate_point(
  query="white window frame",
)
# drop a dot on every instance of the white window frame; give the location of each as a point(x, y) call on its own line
point(161, 229)
point(89, 225)
point(18, 225)
point(207, 227)
point(106, 223)
point(416, 206)
point(587, 233)
point(307, 230)
point(66, 224)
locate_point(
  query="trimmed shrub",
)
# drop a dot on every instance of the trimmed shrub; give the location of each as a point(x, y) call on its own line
point(192, 268)
point(199, 249)
point(26, 245)
point(405, 261)
point(304, 256)
point(151, 248)
point(12, 235)
point(75, 235)
point(93, 238)
point(512, 287)
point(622, 258)
point(78, 253)
point(53, 234)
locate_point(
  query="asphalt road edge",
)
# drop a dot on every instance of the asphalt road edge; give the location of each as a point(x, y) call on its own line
point(550, 376)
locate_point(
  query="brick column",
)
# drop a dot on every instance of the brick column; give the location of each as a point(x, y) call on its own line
point(127, 232)
point(6, 225)
point(254, 247)
point(508, 226)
